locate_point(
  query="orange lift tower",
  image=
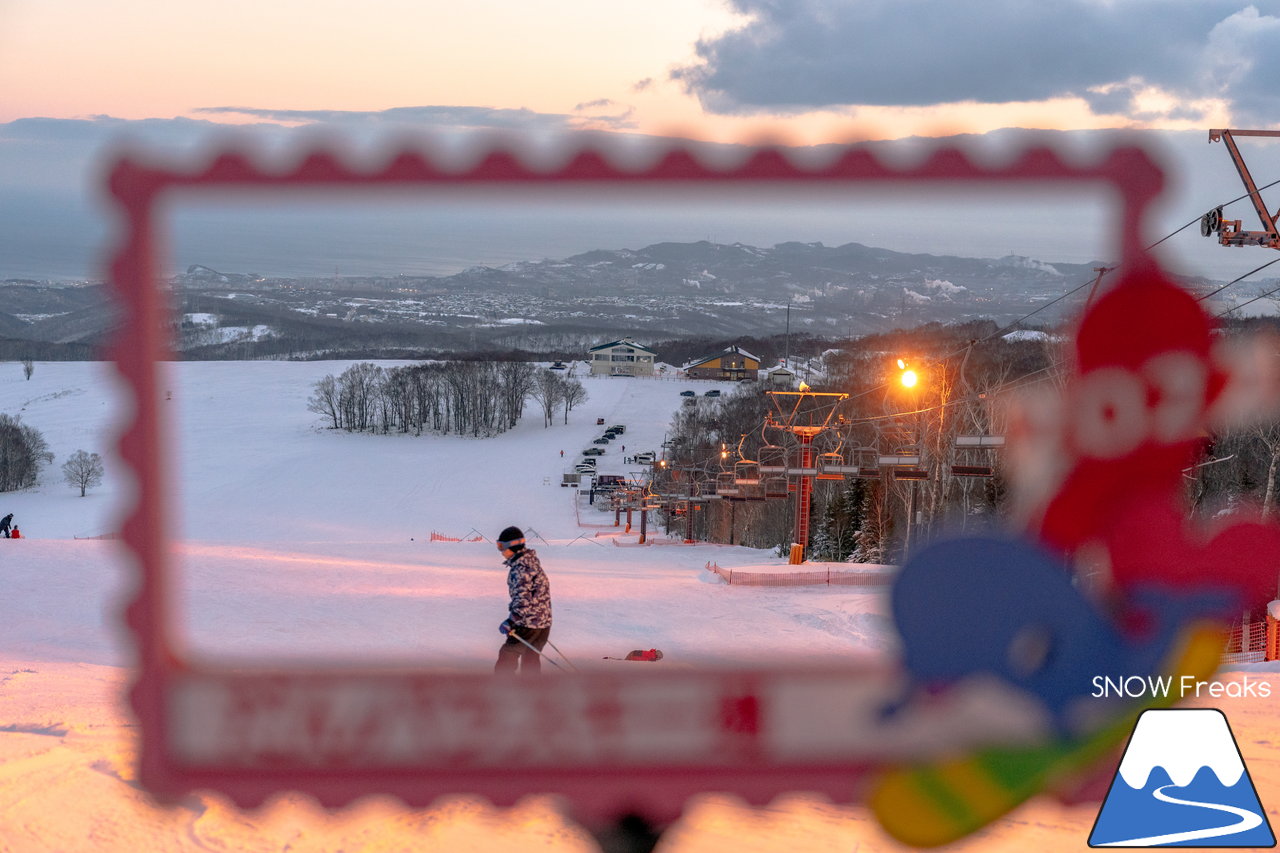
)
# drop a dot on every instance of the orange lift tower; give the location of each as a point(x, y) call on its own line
point(804, 414)
point(1229, 231)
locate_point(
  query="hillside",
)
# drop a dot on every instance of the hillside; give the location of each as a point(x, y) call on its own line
point(561, 306)
point(302, 544)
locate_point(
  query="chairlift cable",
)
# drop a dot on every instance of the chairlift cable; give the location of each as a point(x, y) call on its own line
point(1022, 380)
point(1256, 298)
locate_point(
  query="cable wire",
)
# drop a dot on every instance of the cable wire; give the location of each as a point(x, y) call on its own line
point(1254, 299)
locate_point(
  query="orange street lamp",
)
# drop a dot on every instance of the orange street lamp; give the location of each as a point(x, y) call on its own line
point(909, 377)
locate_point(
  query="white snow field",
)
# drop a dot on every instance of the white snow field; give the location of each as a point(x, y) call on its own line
point(302, 543)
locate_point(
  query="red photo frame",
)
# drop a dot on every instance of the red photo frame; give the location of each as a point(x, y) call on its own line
point(641, 742)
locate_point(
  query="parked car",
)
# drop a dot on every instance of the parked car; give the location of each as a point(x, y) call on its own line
point(688, 393)
point(618, 428)
point(646, 458)
point(601, 441)
point(593, 451)
point(714, 392)
point(585, 469)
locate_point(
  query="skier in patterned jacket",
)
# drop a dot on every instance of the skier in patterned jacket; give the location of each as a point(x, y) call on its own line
point(530, 610)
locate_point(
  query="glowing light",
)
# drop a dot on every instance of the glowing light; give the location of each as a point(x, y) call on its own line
point(902, 365)
point(909, 379)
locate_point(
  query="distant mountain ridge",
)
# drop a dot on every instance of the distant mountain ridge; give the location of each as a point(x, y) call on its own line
point(660, 291)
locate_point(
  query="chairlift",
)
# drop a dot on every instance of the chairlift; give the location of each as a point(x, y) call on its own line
point(831, 466)
point(797, 468)
point(726, 485)
point(868, 459)
point(773, 459)
point(898, 429)
point(746, 473)
point(984, 441)
point(775, 487)
point(974, 455)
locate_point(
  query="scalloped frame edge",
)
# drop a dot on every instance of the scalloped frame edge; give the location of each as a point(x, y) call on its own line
point(597, 791)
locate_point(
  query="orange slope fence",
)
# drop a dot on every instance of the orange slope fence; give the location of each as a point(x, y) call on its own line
point(440, 537)
point(1247, 642)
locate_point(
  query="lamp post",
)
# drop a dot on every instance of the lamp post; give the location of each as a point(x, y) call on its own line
point(910, 380)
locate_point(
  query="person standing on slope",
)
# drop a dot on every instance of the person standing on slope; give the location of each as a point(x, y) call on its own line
point(4, 524)
point(530, 609)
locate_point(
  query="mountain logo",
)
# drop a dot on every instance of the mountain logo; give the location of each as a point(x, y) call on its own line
point(1182, 783)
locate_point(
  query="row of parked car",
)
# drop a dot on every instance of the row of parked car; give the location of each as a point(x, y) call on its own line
point(714, 392)
point(587, 464)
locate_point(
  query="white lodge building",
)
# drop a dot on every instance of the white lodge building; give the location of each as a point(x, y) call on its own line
point(622, 358)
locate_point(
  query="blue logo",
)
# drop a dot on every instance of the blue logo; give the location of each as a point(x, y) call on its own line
point(1182, 783)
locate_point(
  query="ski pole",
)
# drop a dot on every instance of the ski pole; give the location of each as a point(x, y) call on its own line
point(551, 661)
point(563, 655)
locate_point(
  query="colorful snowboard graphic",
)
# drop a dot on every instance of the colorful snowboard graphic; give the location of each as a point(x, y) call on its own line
point(1096, 465)
point(931, 805)
point(1182, 782)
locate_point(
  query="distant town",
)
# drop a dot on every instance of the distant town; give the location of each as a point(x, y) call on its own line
point(664, 291)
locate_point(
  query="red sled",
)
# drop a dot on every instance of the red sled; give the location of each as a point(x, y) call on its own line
point(639, 654)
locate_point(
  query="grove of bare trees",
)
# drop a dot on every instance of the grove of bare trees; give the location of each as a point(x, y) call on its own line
point(477, 398)
point(23, 451)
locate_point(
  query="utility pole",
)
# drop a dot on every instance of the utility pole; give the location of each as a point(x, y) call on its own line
point(786, 359)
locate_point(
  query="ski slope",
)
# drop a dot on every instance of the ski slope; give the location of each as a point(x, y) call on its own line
point(300, 544)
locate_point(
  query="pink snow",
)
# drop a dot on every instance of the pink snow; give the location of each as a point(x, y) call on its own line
point(302, 544)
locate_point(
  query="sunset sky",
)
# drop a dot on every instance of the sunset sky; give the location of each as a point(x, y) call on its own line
point(78, 75)
point(812, 70)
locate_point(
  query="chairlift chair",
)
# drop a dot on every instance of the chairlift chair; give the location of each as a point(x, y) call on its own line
point(773, 459)
point(726, 485)
point(972, 471)
point(746, 473)
point(973, 455)
point(868, 459)
point(830, 466)
point(775, 487)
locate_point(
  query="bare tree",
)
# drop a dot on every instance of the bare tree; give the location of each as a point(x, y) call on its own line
point(573, 394)
point(1269, 435)
point(325, 400)
point(517, 384)
point(548, 388)
point(22, 451)
point(28, 368)
point(83, 470)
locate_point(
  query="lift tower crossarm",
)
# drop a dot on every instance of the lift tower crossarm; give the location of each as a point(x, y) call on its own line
point(1228, 236)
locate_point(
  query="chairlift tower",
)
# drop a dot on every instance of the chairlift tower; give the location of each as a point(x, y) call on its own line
point(1229, 231)
point(805, 414)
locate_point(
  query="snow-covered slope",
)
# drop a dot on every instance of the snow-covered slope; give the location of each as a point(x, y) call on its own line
point(301, 543)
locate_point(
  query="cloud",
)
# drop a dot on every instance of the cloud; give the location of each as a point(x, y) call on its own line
point(591, 105)
point(641, 85)
point(450, 117)
point(800, 55)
